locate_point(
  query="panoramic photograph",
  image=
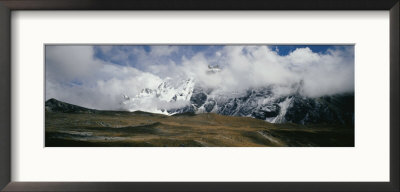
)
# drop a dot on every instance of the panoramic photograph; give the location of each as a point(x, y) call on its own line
point(199, 95)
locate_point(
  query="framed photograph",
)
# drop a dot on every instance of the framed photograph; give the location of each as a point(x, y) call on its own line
point(199, 95)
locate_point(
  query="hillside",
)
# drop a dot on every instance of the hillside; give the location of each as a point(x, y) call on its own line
point(71, 125)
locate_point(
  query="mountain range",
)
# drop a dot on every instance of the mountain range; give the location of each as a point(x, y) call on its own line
point(262, 103)
point(188, 96)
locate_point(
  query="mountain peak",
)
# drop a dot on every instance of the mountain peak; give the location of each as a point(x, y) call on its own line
point(54, 105)
point(158, 100)
point(185, 96)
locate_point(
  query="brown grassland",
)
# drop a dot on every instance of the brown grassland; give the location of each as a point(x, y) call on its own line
point(140, 129)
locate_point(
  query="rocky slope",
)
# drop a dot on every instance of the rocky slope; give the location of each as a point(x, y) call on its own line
point(260, 103)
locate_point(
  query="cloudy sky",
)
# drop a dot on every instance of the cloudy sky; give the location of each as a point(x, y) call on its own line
point(98, 76)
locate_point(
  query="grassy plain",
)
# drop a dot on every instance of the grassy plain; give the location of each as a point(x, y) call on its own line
point(140, 129)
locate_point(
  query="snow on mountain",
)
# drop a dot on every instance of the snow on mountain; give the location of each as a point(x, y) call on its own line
point(182, 92)
point(158, 100)
point(280, 118)
point(171, 97)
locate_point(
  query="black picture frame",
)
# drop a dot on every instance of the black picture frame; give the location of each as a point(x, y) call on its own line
point(7, 6)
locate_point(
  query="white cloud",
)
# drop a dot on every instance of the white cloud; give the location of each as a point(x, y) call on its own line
point(162, 50)
point(66, 63)
point(255, 66)
point(97, 84)
point(74, 75)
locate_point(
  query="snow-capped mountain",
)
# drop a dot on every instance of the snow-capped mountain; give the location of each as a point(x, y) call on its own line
point(165, 96)
point(261, 103)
